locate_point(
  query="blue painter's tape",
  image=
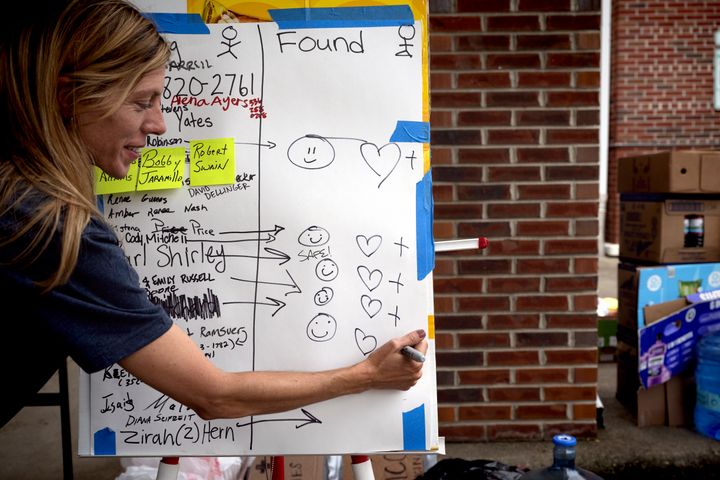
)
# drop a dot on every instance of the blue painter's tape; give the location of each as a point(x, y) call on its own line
point(424, 226)
point(185, 23)
point(101, 203)
point(414, 429)
point(343, 17)
point(406, 131)
point(104, 442)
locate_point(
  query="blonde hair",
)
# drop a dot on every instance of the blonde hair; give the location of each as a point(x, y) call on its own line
point(80, 52)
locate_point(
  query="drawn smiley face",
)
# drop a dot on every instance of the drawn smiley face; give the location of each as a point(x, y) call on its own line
point(311, 152)
point(326, 270)
point(323, 296)
point(314, 236)
point(321, 328)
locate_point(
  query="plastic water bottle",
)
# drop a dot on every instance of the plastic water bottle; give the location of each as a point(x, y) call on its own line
point(707, 377)
point(563, 467)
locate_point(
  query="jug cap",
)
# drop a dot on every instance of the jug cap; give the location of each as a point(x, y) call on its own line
point(564, 440)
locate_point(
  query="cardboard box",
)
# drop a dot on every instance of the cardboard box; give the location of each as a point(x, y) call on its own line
point(680, 396)
point(312, 467)
point(391, 466)
point(653, 229)
point(655, 379)
point(671, 403)
point(640, 286)
point(297, 467)
point(670, 172)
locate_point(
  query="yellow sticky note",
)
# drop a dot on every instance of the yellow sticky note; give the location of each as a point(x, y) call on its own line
point(212, 162)
point(161, 168)
point(104, 183)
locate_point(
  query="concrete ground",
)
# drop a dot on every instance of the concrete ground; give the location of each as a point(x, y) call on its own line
point(620, 451)
point(30, 444)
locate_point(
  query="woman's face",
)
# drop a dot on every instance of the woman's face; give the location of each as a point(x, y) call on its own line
point(115, 141)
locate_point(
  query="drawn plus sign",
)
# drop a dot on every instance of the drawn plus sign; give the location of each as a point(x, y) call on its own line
point(395, 315)
point(401, 245)
point(411, 157)
point(397, 283)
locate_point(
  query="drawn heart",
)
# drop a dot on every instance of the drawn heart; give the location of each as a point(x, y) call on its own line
point(382, 161)
point(370, 245)
point(370, 305)
point(366, 343)
point(370, 279)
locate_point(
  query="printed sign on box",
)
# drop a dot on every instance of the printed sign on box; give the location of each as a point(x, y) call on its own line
point(666, 347)
point(639, 287)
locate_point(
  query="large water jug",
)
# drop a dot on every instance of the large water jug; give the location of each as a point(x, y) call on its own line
point(707, 377)
point(563, 466)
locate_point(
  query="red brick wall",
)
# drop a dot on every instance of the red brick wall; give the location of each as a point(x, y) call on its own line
point(514, 117)
point(662, 83)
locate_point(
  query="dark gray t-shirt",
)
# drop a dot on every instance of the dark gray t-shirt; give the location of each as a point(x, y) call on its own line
point(100, 316)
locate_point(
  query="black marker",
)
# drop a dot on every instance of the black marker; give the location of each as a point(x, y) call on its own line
point(413, 354)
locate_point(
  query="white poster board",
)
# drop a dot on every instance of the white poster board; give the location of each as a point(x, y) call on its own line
point(308, 260)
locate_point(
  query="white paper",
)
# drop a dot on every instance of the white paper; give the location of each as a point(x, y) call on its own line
point(307, 262)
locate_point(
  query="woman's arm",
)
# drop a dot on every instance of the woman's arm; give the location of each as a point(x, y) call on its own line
point(174, 365)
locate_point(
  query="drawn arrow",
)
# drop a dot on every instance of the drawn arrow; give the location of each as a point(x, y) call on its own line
point(294, 286)
point(309, 418)
point(273, 303)
point(275, 255)
point(270, 145)
point(272, 233)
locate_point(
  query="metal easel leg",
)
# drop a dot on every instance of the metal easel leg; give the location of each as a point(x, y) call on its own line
point(65, 423)
point(333, 467)
point(61, 399)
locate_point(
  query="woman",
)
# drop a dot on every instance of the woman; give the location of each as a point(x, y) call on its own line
point(80, 85)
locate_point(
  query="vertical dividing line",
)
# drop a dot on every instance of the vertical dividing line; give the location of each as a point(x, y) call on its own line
point(259, 216)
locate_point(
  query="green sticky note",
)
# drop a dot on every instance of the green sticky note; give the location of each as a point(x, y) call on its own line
point(161, 168)
point(104, 183)
point(212, 162)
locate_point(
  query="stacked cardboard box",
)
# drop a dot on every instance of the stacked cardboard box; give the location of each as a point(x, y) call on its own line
point(669, 243)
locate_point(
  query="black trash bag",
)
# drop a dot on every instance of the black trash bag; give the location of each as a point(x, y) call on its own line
point(459, 469)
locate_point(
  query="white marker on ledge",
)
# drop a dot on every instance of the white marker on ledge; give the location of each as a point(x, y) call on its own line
point(463, 244)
